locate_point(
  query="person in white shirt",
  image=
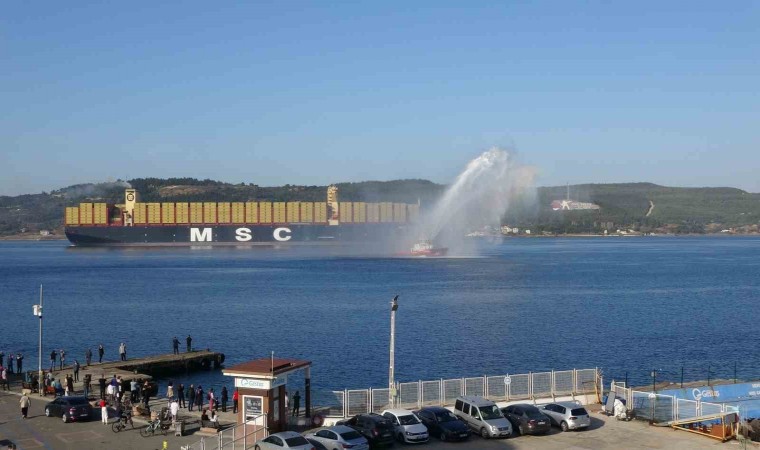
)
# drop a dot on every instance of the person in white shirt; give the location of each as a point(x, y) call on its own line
point(174, 408)
point(214, 419)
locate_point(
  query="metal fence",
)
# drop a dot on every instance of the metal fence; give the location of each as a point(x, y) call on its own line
point(660, 408)
point(416, 394)
point(239, 437)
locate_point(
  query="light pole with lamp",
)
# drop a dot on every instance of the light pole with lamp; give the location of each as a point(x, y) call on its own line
point(38, 312)
point(391, 381)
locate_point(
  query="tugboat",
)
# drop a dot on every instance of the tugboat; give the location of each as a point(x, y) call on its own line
point(426, 248)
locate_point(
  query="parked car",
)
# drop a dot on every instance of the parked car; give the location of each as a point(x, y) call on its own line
point(285, 439)
point(70, 409)
point(317, 445)
point(527, 419)
point(483, 416)
point(375, 428)
point(567, 415)
point(443, 423)
point(338, 438)
point(407, 426)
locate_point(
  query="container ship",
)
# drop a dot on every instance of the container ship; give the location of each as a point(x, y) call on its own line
point(135, 223)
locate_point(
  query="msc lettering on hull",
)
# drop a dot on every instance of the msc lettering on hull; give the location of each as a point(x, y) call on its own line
point(242, 234)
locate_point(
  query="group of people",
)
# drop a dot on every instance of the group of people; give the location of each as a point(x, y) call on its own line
point(188, 341)
point(16, 359)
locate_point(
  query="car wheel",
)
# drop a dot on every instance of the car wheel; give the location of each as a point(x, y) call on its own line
point(563, 426)
point(47, 412)
point(400, 438)
point(443, 436)
point(257, 448)
point(65, 418)
point(484, 433)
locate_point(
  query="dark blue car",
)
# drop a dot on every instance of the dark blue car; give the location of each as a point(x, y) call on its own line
point(443, 424)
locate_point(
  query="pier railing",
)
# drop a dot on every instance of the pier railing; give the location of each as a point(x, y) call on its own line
point(239, 437)
point(443, 392)
point(661, 408)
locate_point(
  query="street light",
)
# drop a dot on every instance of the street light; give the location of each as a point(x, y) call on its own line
point(38, 312)
point(391, 382)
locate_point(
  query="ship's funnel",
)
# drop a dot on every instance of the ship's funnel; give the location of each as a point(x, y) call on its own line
point(332, 206)
point(130, 198)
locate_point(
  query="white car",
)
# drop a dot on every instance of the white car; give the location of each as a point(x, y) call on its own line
point(285, 439)
point(339, 437)
point(407, 427)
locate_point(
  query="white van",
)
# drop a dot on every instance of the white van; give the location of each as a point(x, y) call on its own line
point(483, 416)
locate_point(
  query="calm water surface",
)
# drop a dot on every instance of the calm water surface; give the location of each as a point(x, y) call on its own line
point(622, 304)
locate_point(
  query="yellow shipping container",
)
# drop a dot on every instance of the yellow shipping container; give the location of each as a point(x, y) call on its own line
point(154, 212)
point(238, 212)
point(399, 212)
point(278, 212)
point(140, 216)
point(100, 214)
point(265, 212)
point(182, 212)
point(251, 212)
point(360, 212)
point(223, 211)
point(72, 215)
point(346, 212)
point(386, 212)
point(294, 212)
point(167, 213)
point(373, 212)
point(196, 212)
point(85, 213)
point(209, 212)
point(320, 212)
point(413, 213)
point(307, 212)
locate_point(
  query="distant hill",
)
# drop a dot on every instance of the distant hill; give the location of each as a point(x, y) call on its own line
point(642, 207)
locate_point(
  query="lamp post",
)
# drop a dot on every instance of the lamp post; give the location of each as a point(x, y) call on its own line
point(653, 396)
point(38, 312)
point(391, 381)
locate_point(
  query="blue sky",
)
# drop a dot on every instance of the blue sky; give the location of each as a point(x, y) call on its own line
point(319, 92)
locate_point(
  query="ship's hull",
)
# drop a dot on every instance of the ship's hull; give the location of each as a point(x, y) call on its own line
point(184, 235)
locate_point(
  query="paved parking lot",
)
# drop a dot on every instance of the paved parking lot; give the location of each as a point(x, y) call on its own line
point(41, 432)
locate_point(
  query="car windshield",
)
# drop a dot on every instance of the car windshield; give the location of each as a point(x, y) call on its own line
point(77, 401)
point(409, 419)
point(579, 412)
point(490, 412)
point(296, 441)
point(350, 435)
point(445, 417)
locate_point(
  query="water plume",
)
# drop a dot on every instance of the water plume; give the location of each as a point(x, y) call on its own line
point(480, 196)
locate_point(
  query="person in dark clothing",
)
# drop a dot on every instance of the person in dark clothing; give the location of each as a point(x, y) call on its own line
point(70, 384)
point(190, 397)
point(296, 404)
point(19, 363)
point(88, 357)
point(53, 357)
point(76, 370)
point(175, 345)
point(189, 341)
point(101, 351)
point(102, 384)
point(224, 398)
point(181, 395)
point(199, 397)
point(146, 393)
point(9, 366)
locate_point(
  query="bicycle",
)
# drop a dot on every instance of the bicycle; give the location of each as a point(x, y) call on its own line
point(121, 424)
point(152, 428)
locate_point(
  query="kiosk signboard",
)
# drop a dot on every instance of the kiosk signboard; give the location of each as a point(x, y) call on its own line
point(253, 409)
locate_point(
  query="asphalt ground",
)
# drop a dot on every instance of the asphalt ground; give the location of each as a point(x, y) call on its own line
point(40, 432)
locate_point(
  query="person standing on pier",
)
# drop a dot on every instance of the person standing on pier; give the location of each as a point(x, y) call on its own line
point(123, 351)
point(224, 398)
point(133, 391)
point(235, 397)
point(25, 403)
point(53, 357)
point(170, 390)
point(103, 411)
point(19, 363)
point(102, 384)
point(189, 341)
point(146, 393)
point(211, 399)
point(88, 357)
point(4, 378)
point(190, 397)
point(181, 395)
point(63, 357)
point(9, 366)
point(199, 397)
point(101, 351)
point(87, 385)
point(69, 385)
point(76, 370)
point(296, 404)
point(175, 345)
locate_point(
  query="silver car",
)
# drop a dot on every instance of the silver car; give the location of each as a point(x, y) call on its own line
point(286, 439)
point(483, 416)
point(567, 415)
point(338, 438)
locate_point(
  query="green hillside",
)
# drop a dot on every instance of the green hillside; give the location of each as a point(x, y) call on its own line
point(623, 206)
